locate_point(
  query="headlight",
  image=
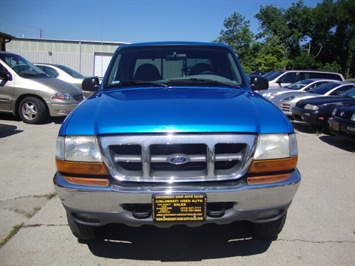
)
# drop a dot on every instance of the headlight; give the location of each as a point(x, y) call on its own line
point(82, 149)
point(353, 117)
point(290, 98)
point(311, 107)
point(274, 146)
point(61, 96)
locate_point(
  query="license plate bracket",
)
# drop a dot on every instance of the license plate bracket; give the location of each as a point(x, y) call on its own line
point(179, 207)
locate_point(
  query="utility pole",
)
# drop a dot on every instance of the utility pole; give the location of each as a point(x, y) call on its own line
point(41, 33)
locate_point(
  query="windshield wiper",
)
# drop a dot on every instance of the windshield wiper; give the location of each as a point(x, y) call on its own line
point(209, 82)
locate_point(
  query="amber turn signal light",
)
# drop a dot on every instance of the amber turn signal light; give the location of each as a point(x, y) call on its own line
point(82, 168)
point(275, 165)
point(103, 182)
point(253, 180)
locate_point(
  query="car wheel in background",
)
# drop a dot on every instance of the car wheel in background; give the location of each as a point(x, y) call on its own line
point(32, 110)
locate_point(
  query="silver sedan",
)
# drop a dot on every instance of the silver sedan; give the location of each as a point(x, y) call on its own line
point(285, 102)
point(302, 85)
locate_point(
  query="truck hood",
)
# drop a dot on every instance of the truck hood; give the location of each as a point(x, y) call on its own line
point(178, 109)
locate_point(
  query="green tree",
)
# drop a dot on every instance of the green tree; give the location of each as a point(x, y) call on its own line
point(333, 35)
point(239, 36)
point(291, 27)
point(268, 56)
point(299, 37)
point(345, 33)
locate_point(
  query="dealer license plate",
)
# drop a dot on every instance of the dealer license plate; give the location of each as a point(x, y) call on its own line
point(335, 126)
point(179, 208)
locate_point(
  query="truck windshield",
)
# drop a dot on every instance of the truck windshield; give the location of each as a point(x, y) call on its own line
point(174, 64)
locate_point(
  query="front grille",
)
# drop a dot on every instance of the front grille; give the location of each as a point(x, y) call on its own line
point(177, 158)
point(78, 97)
point(194, 154)
point(286, 107)
point(344, 115)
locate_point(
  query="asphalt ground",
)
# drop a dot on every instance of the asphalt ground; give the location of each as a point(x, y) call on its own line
point(319, 230)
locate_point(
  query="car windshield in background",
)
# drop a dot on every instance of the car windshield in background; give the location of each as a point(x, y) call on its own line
point(324, 88)
point(70, 71)
point(21, 66)
point(174, 65)
point(349, 93)
point(299, 84)
point(272, 75)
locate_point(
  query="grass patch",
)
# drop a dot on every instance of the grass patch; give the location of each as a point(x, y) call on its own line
point(13, 232)
point(47, 196)
point(34, 211)
point(51, 195)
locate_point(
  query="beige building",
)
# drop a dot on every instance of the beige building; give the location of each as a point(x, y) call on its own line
point(89, 58)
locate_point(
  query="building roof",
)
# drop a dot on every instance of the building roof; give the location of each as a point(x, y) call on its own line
point(5, 38)
point(70, 41)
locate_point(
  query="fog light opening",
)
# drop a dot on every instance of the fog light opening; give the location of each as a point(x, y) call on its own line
point(269, 214)
point(62, 112)
point(86, 217)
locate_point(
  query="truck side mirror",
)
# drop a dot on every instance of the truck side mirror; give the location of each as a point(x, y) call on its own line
point(90, 84)
point(258, 83)
point(5, 76)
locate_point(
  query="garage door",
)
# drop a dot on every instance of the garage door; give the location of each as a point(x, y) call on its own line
point(101, 63)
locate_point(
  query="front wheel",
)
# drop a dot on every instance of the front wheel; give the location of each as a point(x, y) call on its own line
point(268, 230)
point(84, 232)
point(32, 110)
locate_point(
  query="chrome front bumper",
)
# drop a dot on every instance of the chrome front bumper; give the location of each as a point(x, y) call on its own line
point(102, 205)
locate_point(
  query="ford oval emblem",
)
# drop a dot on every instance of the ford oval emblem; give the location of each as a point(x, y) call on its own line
point(178, 159)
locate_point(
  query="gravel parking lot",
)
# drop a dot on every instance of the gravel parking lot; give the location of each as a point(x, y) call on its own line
point(320, 229)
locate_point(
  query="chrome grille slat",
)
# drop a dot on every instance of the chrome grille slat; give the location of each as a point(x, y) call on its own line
point(127, 158)
point(229, 157)
point(165, 158)
point(208, 157)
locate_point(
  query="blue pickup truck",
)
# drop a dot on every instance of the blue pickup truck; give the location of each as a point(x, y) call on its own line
point(176, 134)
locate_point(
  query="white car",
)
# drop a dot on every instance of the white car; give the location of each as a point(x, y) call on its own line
point(64, 73)
point(285, 102)
point(283, 78)
point(302, 85)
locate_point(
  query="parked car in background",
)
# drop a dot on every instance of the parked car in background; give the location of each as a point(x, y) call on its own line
point(316, 111)
point(260, 73)
point(267, 74)
point(285, 102)
point(342, 122)
point(302, 85)
point(286, 77)
point(28, 92)
point(64, 73)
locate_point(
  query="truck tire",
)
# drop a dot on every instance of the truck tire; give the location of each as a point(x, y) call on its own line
point(32, 110)
point(84, 232)
point(268, 230)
